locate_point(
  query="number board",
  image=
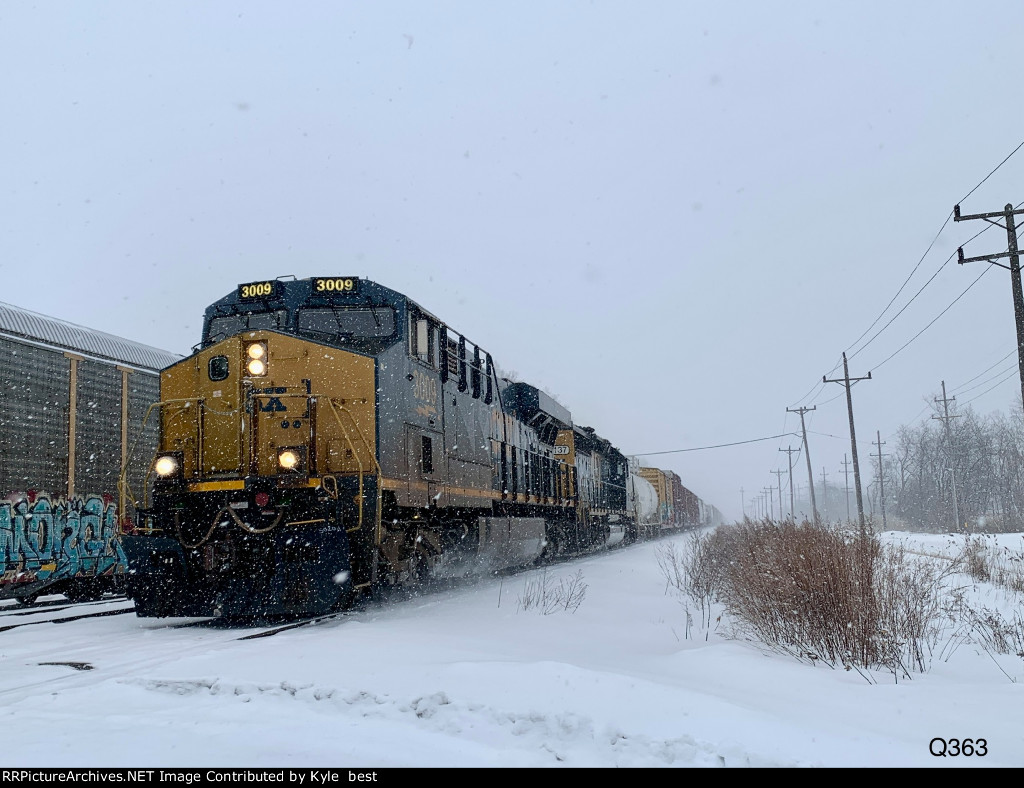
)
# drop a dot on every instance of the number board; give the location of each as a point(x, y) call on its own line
point(257, 289)
point(336, 284)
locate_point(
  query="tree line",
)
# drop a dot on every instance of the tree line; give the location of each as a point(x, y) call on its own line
point(964, 472)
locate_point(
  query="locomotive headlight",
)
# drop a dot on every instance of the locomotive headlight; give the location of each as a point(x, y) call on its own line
point(166, 465)
point(256, 350)
point(256, 365)
point(291, 459)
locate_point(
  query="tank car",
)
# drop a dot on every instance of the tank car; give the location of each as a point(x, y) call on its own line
point(643, 506)
point(329, 436)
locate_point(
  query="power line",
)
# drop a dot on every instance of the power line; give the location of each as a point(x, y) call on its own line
point(1000, 361)
point(905, 282)
point(828, 434)
point(1012, 374)
point(814, 390)
point(919, 293)
point(920, 261)
point(717, 446)
point(972, 284)
point(905, 306)
point(972, 191)
point(830, 399)
point(1000, 373)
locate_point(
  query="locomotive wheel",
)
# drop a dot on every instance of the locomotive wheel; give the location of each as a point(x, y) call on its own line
point(419, 568)
point(28, 600)
point(550, 551)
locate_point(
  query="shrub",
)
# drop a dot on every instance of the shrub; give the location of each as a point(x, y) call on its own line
point(545, 595)
point(983, 559)
point(819, 593)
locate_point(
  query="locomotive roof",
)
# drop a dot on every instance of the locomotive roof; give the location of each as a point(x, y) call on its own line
point(290, 293)
point(588, 439)
point(22, 324)
point(530, 404)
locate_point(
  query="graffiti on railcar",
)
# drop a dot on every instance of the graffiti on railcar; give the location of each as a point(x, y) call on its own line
point(47, 538)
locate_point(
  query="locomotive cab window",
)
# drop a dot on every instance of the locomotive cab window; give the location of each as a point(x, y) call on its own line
point(218, 368)
point(348, 321)
point(423, 339)
point(229, 325)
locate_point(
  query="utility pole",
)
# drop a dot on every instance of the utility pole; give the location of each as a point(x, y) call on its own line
point(848, 382)
point(792, 506)
point(807, 453)
point(881, 484)
point(1014, 268)
point(945, 419)
point(743, 503)
point(771, 502)
point(778, 478)
point(846, 473)
point(825, 508)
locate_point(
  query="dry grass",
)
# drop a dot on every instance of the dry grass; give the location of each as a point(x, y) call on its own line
point(995, 632)
point(821, 594)
point(694, 570)
point(550, 596)
point(989, 562)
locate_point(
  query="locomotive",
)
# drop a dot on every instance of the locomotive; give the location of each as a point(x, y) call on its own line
point(330, 437)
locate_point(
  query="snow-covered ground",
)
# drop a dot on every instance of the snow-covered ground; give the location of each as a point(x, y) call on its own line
point(468, 678)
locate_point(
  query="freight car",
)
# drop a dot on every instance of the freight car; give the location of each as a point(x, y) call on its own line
point(70, 408)
point(331, 436)
point(644, 504)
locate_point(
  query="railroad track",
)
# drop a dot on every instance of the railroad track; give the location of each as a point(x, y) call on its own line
point(66, 619)
point(211, 623)
point(53, 606)
point(94, 660)
point(294, 625)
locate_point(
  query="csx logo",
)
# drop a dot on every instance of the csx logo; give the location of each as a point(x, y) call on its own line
point(271, 404)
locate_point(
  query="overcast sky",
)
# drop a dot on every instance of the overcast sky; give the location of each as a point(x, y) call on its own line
point(674, 216)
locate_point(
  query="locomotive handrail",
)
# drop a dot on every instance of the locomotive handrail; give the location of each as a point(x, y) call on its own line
point(335, 407)
point(316, 398)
